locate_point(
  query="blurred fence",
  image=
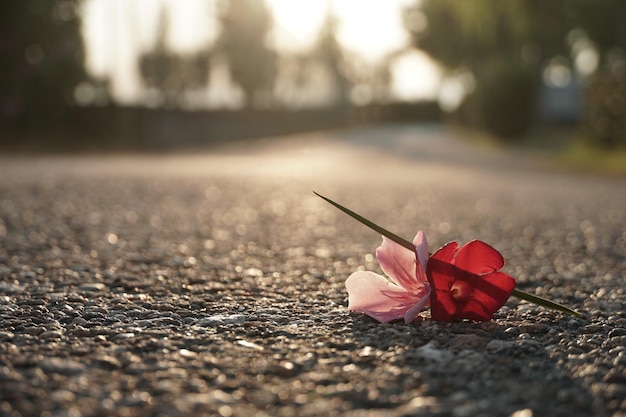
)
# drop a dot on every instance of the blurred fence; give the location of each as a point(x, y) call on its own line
point(118, 128)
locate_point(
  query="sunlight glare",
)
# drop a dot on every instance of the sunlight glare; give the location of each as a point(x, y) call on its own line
point(371, 28)
point(192, 24)
point(117, 32)
point(297, 23)
point(415, 77)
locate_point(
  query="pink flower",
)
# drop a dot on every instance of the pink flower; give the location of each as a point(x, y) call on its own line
point(404, 294)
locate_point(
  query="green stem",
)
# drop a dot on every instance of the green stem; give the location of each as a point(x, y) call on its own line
point(405, 243)
point(535, 299)
point(370, 224)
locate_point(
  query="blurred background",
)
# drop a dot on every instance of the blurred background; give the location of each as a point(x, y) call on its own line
point(81, 75)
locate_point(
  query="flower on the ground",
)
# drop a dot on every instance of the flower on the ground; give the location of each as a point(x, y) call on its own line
point(467, 282)
point(404, 294)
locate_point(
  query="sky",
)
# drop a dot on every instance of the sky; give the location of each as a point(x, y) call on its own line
point(117, 31)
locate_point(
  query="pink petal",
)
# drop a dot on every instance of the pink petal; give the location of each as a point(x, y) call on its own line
point(375, 296)
point(399, 264)
point(478, 258)
point(421, 248)
point(412, 312)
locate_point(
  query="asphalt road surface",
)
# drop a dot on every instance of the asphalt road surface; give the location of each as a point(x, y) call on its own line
point(211, 283)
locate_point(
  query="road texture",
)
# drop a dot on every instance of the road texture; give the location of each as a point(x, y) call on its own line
point(211, 283)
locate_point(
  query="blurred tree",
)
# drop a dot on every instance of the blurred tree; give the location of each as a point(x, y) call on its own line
point(170, 76)
point(605, 96)
point(251, 63)
point(500, 44)
point(507, 45)
point(467, 33)
point(345, 77)
point(321, 75)
point(41, 60)
point(329, 53)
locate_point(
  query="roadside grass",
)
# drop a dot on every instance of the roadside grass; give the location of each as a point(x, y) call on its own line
point(560, 147)
point(584, 157)
point(567, 148)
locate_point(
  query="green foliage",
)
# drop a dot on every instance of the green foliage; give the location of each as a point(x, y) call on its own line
point(489, 39)
point(473, 35)
point(463, 34)
point(506, 99)
point(603, 21)
point(42, 56)
point(605, 100)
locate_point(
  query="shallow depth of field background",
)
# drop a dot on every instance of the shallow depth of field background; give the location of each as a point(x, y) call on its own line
point(100, 75)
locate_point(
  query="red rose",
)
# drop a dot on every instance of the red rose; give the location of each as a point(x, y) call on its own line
point(467, 282)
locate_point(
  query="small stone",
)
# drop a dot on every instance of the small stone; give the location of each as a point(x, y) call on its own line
point(56, 296)
point(420, 406)
point(500, 345)
point(534, 328)
point(81, 331)
point(185, 353)
point(34, 330)
point(620, 359)
point(616, 390)
point(219, 319)
point(253, 272)
point(512, 331)
point(34, 302)
point(92, 286)
point(52, 334)
point(194, 401)
point(62, 395)
point(619, 331)
point(62, 366)
point(367, 352)
point(249, 345)
point(615, 377)
point(10, 289)
point(108, 362)
point(465, 410)
point(526, 412)
point(616, 341)
point(469, 341)
point(79, 321)
point(592, 328)
point(285, 369)
point(6, 336)
point(431, 353)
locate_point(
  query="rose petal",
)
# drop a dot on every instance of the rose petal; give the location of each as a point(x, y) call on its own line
point(493, 290)
point(441, 272)
point(473, 264)
point(478, 258)
point(375, 296)
point(399, 264)
point(473, 310)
